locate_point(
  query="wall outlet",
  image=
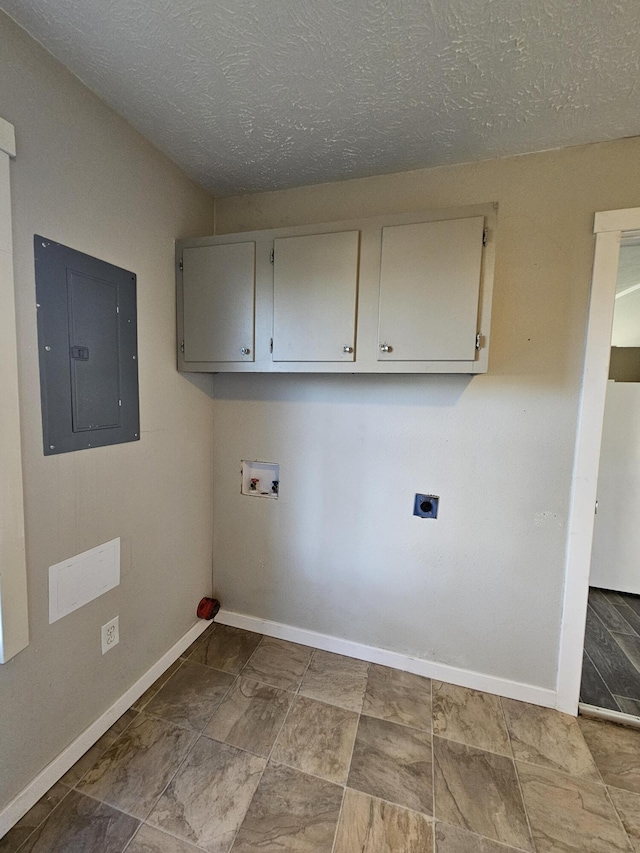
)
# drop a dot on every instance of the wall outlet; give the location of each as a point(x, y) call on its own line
point(110, 634)
point(426, 506)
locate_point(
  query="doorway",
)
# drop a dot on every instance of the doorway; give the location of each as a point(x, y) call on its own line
point(611, 662)
point(613, 229)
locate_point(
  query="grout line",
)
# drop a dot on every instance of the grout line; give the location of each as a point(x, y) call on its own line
point(607, 688)
point(169, 834)
point(246, 663)
point(45, 819)
point(433, 773)
point(102, 752)
point(615, 634)
point(335, 831)
point(275, 740)
point(515, 767)
point(129, 842)
point(620, 821)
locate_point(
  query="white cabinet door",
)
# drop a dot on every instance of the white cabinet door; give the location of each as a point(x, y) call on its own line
point(429, 290)
point(219, 302)
point(315, 285)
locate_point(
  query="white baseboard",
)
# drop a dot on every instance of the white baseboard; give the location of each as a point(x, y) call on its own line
point(441, 672)
point(56, 769)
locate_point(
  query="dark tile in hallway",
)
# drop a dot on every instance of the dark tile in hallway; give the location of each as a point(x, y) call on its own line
point(611, 666)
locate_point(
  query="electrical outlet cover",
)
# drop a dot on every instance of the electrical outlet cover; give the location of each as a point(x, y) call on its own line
point(426, 506)
point(110, 635)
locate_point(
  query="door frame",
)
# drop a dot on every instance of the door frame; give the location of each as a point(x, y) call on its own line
point(608, 227)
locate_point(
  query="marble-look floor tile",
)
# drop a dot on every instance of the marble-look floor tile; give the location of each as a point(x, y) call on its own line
point(250, 716)
point(569, 815)
point(150, 840)
point(336, 680)
point(290, 813)
point(135, 769)
point(479, 791)
point(454, 839)
point(190, 697)
point(470, 717)
point(207, 800)
point(75, 773)
point(317, 739)
point(394, 763)
point(201, 639)
point(627, 804)
point(548, 738)
point(146, 697)
point(16, 836)
point(279, 663)
point(82, 825)
point(368, 825)
point(399, 697)
point(616, 751)
point(226, 648)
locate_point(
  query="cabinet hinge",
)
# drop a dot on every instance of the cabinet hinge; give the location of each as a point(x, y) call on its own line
point(485, 236)
point(478, 340)
point(180, 264)
point(182, 347)
point(271, 345)
point(273, 255)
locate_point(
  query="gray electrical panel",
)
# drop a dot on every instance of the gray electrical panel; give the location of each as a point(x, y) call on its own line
point(87, 343)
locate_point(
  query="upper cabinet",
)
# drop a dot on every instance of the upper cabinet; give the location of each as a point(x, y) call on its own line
point(407, 293)
point(429, 289)
point(218, 302)
point(315, 288)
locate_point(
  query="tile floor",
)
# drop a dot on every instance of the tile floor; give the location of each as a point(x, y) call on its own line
point(611, 663)
point(254, 745)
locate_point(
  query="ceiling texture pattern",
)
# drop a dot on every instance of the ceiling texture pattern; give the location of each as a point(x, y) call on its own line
point(250, 95)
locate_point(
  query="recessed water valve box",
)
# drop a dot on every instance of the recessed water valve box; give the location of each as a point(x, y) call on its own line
point(426, 506)
point(260, 479)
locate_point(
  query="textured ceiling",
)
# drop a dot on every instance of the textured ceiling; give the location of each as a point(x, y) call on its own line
point(248, 95)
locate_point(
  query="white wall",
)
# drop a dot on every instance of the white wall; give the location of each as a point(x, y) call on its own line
point(615, 559)
point(340, 553)
point(85, 178)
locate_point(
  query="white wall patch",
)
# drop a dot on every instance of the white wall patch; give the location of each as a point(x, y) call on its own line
point(84, 577)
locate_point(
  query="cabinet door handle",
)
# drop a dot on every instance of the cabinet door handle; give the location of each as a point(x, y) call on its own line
point(386, 348)
point(347, 349)
point(245, 350)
